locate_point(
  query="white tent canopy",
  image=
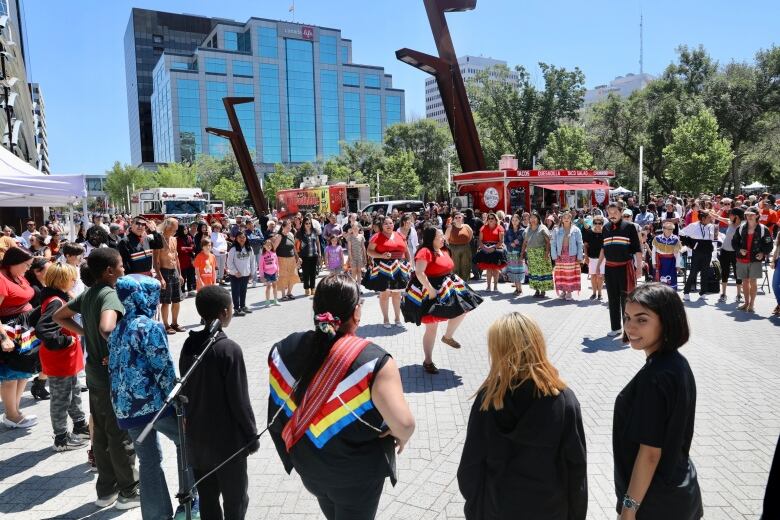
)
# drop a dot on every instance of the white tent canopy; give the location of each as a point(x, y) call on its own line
point(620, 190)
point(21, 185)
point(755, 186)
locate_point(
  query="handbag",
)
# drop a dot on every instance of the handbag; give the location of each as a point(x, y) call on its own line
point(21, 331)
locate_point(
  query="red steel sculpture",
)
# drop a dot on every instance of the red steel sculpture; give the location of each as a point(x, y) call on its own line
point(241, 151)
point(446, 70)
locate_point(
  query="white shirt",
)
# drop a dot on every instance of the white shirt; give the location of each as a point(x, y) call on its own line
point(699, 231)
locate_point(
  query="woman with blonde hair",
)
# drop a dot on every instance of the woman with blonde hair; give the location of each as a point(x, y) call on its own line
point(525, 444)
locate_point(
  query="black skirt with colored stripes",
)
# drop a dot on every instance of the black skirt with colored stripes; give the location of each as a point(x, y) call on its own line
point(453, 298)
point(386, 275)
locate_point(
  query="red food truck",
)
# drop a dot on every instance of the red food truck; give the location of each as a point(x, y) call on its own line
point(322, 199)
point(509, 189)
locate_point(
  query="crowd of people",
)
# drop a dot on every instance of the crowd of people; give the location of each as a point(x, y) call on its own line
point(95, 314)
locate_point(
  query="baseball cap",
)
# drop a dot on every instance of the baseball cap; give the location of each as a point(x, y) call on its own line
point(752, 209)
point(628, 213)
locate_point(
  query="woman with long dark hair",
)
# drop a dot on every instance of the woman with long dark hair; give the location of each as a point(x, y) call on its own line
point(309, 250)
point(15, 296)
point(289, 261)
point(336, 407)
point(239, 267)
point(491, 254)
point(184, 247)
point(652, 426)
point(436, 295)
point(513, 240)
point(36, 277)
point(203, 232)
point(390, 272)
point(536, 247)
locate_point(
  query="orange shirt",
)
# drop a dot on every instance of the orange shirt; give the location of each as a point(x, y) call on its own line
point(206, 266)
point(768, 218)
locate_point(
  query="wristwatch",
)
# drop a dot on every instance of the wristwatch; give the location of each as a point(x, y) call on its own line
point(630, 503)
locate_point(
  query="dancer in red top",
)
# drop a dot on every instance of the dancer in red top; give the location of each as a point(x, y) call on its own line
point(491, 255)
point(436, 294)
point(390, 272)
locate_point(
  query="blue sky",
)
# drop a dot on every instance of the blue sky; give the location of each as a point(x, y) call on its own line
point(75, 48)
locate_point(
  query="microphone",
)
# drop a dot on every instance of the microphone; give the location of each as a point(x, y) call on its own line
point(214, 327)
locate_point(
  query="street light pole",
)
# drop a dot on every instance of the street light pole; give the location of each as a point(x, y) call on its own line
point(641, 157)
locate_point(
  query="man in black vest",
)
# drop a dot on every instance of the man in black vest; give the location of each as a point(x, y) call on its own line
point(621, 243)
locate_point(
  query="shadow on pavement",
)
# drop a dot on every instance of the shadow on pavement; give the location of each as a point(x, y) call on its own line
point(605, 344)
point(742, 316)
point(11, 434)
point(38, 490)
point(88, 511)
point(417, 381)
point(24, 461)
point(376, 330)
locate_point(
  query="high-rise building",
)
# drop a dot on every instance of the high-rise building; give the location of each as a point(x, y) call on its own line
point(39, 128)
point(16, 111)
point(470, 66)
point(148, 35)
point(309, 95)
point(621, 86)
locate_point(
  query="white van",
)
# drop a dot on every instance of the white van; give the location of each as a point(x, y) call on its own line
point(386, 207)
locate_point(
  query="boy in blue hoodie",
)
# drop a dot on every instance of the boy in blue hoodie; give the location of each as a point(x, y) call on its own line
point(142, 375)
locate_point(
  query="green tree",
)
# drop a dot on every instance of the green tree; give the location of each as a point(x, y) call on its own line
point(567, 149)
point(518, 117)
point(280, 179)
point(210, 170)
point(430, 144)
point(335, 171)
point(177, 175)
point(119, 178)
point(397, 177)
point(361, 160)
point(231, 191)
point(743, 98)
point(698, 157)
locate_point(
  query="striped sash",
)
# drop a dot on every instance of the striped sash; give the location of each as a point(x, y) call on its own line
point(330, 374)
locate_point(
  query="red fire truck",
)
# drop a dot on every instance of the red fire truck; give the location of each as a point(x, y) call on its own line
point(509, 189)
point(322, 199)
point(183, 203)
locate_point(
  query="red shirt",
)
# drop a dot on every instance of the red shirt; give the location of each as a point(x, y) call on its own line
point(491, 235)
point(768, 218)
point(438, 265)
point(748, 245)
point(16, 296)
point(395, 244)
point(62, 363)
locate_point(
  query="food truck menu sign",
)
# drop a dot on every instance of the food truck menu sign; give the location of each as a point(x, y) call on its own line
point(565, 173)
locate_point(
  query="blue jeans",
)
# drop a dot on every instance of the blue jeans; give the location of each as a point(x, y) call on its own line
point(155, 500)
point(776, 281)
point(238, 285)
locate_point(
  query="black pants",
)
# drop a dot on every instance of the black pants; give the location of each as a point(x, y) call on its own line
point(699, 262)
point(189, 279)
point(309, 268)
point(231, 482)
point(238, 285)
point(357, 502)
point(728, 262)
point(615, 278)
point(112, 447)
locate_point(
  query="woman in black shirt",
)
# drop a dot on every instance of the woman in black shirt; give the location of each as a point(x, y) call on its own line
point(653, 420)
point(593, 240)
point(308, 246)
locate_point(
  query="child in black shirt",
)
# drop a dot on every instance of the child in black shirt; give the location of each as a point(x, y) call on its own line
point(220, 420)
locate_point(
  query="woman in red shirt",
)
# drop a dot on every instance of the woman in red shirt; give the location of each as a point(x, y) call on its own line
point(390, 272)
point(491, 255)
point(436, 294)
point(184, 247)
point(15, 296)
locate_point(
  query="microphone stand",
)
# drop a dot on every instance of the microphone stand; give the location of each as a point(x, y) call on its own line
point(179, 401)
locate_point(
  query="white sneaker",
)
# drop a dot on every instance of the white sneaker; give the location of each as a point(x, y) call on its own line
point(124, 503)
point(107, 500)
point(687, 297)
point(27, 421)
point(400, 324)
point(613, 333)
point(387, 325)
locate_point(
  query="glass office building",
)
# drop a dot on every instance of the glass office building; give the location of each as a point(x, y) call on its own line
point(308, 94)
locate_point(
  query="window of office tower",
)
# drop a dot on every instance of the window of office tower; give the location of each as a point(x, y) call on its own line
point(392, 110)
point(351, 116)
point(373, 118)
point(217, 117)
point(328, 49)
point(246, 113)
point(300, 101)
point(231, 41)
point(189, 119)
point(270, 115)
point(329, 98)
point(268, 42)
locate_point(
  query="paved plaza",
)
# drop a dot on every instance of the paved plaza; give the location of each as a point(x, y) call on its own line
point(735, 357)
